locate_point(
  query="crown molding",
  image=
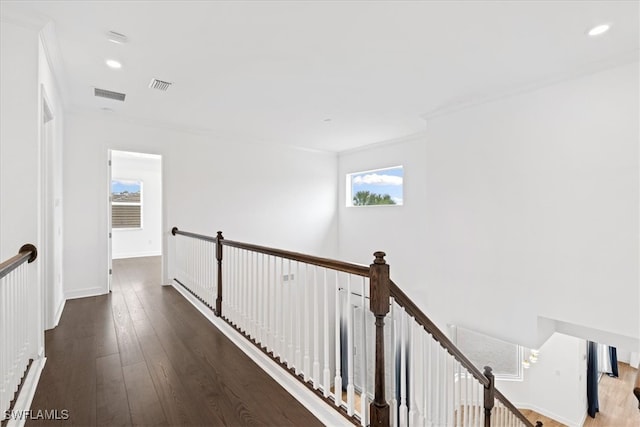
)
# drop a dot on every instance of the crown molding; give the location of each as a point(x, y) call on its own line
point(29, 20)
point(625, 58)
point(400, 140)
point(192, 130)
point(51, 49)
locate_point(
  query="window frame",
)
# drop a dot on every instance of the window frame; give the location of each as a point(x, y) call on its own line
point(349, 187)
point(139, 203)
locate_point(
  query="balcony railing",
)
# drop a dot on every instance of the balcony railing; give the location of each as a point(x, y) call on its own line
point(19, 326)
point(345, 330)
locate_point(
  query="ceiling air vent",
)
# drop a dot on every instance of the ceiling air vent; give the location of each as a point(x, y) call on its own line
point(159, 84)
point(103, 93)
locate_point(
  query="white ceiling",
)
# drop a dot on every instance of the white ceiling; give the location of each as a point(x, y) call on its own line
point(273, 72)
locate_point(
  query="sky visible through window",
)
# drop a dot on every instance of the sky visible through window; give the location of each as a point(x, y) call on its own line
point(377, 187)
point(120, 186)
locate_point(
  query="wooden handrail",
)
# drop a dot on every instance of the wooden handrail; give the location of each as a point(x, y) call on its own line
point(515, 411)
point(382, 288)
point(27, 253)
point(346, 267)
point(175, 231)
point(636, 388)
point(404, 301)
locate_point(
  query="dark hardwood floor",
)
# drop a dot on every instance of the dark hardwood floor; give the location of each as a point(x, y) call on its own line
point(144, 356)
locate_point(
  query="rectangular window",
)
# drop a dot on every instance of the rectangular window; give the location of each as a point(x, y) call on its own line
point(126, 203)
point(376, 187)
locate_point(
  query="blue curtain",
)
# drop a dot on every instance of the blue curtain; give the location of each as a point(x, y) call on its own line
point(592, 379)
point(613, 355)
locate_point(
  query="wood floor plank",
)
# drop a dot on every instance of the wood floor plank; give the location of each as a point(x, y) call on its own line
point(176, 399)
point(618, 405)
point(144, 404)
point(80, 395)
point(112, 407)
point(128, 344)
point(143, 356)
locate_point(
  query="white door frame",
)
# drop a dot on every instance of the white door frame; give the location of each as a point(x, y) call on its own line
point(50, 267)
point(109, 225)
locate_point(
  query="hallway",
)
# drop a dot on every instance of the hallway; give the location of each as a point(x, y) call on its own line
point(144, 356)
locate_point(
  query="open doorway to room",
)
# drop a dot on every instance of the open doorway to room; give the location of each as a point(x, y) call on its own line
point(135, 212)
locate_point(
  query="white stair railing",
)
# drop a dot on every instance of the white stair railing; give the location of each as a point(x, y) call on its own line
point(195, 267)
point(19, 326)
point(302, 314)
point(346, 330)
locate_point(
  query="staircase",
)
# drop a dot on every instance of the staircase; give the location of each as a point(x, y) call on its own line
point(346, 331)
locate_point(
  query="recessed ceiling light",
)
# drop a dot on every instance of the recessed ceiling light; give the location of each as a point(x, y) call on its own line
point(599, 29)
point(112, 63)
point(327, 120)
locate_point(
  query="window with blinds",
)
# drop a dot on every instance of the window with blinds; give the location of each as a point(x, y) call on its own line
point(126, 203)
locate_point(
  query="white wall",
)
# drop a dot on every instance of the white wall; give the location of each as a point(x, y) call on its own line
point(555, 386)
point(274, 196)
point(397, 230)
point(524, 207)
point(145, 241)
point(19, 171)
point(517, 213)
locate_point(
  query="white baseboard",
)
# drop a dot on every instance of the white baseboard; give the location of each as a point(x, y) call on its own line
point(83, 293)
point(58, 315)
point(584, 418)
point(23, 403)
point(548, 414)
point(320, 409)
point(136, 254)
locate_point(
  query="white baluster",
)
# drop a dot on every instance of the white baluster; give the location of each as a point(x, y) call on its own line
point(470, 403)
point(253, 296)
point(452, 389)
point(326, 326)
point(404, 415)
point(255, 289)
point(267, 301)
point(350, 383)
point(426, 376)
point(299, 319)
point(278, 306)
point(307, 323)
point(237, 286)
point(316, 331)
point(393, 401)
point(290, 310)
point(246, 297)
point(413, 375)
point(364, 404)
point(337, 381)
point(263, 301)
point(283, 317)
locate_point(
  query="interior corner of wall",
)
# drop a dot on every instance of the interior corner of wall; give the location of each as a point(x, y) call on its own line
point(546, 328)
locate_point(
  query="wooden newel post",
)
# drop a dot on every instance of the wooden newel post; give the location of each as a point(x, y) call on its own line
point(379, 305)
point(219, 240)
point(489, 395)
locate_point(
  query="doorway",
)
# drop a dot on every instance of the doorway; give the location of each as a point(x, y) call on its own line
point(135, 207)
point(50, 212)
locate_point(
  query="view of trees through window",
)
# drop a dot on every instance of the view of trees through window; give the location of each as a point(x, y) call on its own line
point(377, 187)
